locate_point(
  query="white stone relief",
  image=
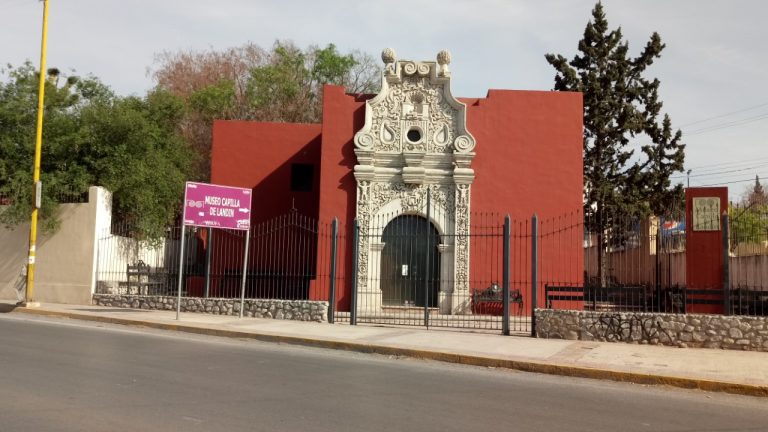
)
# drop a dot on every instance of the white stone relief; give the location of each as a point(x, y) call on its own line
point(388, 134)
point(415, 140)
point(418, 95)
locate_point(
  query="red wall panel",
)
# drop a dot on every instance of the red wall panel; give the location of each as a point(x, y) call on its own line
point(529, 160)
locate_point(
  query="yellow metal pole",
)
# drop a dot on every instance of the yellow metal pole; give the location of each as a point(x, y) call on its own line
point(30, 294)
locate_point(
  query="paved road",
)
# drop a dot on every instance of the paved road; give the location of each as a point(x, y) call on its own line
point(63, 375)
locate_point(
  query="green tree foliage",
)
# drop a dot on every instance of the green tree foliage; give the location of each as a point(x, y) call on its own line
point(621, 108)
point(283, 84)
point(749, 218)
point(92, 137)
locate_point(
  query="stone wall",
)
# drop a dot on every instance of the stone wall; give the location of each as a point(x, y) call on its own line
point(704, 331)
point(298, 310)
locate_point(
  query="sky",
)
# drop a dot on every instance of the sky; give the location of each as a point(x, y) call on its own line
point(712, 72)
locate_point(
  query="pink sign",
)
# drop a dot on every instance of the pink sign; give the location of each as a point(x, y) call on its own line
point(216, 206)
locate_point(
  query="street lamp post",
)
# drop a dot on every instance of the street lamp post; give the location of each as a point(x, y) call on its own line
point(30, 293)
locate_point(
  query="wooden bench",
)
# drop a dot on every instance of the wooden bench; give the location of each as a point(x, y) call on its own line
point(613, 298)
point(495, 295)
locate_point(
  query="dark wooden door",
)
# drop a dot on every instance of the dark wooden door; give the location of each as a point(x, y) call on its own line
point(410, 265)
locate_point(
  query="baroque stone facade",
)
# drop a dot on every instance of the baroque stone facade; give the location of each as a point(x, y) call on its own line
point(415, 142)
point(690, 330)
point(298, 310)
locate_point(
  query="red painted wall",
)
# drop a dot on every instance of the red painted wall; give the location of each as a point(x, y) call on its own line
point(529, 147)
point(704, 249)
point(529, 160)
point(259, 155)
point(343, 116)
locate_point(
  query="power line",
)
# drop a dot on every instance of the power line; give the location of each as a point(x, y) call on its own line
point(730, 182)
point(724, 115)
point(720, 165)
point(726, 125)
point(720, 172)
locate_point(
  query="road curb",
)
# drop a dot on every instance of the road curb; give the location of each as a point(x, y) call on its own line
point(442, 356)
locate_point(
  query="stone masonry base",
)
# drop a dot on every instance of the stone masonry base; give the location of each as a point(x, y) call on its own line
point(298, 310)
point(704, 331)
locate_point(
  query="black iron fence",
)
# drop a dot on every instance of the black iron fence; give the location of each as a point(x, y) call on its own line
point(636, 264)
point(437, 272)
point(288, 257)
point(482, 272)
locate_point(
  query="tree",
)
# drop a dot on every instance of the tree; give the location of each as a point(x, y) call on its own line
point(92, 137)
point(756, 194)
point(749, 218)
point(250, 83)
point(621, 107)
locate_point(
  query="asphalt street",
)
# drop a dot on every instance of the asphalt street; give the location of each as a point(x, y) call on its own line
point(67, 375)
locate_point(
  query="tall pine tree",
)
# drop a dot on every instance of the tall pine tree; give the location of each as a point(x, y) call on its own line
point(756, 194)
point(621, 107)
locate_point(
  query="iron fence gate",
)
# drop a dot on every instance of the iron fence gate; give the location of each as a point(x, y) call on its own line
point(425, 270)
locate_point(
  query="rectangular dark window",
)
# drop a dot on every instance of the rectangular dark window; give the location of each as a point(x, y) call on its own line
point(301, 177)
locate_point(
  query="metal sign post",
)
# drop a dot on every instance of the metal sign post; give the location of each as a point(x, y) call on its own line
point(181, 261)
point(181, 272)
point(215, 206)
point(245, 271)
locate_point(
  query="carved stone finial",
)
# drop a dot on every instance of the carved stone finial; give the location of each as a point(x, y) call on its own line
point(388, 56)
point(444, 59)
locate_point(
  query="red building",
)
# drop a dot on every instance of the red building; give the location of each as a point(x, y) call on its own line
point(380, 159)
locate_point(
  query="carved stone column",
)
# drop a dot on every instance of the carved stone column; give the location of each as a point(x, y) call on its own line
point(369, 298)
point(415, 139)
point(445, 296)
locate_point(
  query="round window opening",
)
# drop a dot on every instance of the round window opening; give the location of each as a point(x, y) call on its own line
point(414, 135)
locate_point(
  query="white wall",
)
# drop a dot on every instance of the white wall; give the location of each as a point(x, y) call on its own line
point(66, 259)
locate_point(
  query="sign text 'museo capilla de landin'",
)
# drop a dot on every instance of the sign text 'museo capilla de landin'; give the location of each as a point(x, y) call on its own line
point(223, 206)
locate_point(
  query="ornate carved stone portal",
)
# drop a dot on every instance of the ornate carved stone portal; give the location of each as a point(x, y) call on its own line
point(415, 140)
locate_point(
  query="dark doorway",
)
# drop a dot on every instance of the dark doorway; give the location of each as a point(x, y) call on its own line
point(410, 264)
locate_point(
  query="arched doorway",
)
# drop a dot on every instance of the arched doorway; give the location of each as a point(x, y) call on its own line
point(410, 263)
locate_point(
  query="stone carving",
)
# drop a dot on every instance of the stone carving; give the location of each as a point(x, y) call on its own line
point(388, 133)
point(444, 59)
point(412, 197)
point(388, 57)
point(464, 144)
point(415, 92)
point(414, 140)
point(363, 223)
point(462, 238)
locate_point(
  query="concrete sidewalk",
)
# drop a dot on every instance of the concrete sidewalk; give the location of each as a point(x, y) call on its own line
point(740, 372)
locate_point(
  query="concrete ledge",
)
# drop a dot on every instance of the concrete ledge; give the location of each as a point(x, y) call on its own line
point(443, 356)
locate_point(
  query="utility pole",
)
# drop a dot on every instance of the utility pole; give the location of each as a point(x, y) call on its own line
point(688, 177)
point(38, 187)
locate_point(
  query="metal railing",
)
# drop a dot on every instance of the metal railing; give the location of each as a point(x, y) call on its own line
point(289, 258)
point(488, 274)
point(642, 265)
